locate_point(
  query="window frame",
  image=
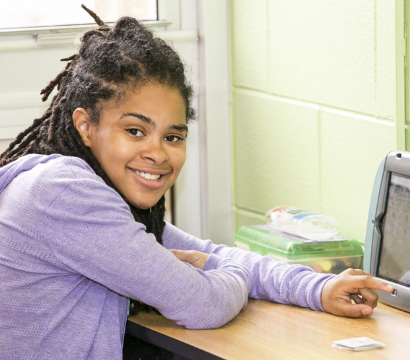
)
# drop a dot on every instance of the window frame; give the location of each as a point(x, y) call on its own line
point(26, 38)
point(69, 35)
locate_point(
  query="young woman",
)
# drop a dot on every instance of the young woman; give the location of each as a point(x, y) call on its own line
point(82, 208)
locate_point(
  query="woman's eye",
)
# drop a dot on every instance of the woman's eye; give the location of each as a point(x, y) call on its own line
point(135, 132)
point(173, 138)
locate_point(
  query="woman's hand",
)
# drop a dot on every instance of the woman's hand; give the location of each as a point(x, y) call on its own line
point(195, 258)
point(356, 285)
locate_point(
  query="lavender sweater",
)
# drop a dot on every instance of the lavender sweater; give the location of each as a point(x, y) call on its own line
point(71, 254)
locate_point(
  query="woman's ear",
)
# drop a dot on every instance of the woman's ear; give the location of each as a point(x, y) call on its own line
point(82, 123)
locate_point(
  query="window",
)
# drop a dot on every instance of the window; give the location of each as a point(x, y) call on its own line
point(46, 13)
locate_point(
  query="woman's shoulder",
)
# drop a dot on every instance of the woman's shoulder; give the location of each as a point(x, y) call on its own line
point(73, 166)
point(51, 167)
point(48, 175)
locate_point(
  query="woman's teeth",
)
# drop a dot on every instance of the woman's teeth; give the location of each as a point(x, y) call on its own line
point(147, 176)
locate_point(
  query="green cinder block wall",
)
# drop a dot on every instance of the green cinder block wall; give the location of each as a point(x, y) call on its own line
point(313, 106)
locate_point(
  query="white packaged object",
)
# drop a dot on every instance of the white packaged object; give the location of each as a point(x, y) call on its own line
point(309, 225)
point(358, 344)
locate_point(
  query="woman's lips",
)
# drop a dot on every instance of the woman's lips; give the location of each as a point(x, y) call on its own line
point(149, 180)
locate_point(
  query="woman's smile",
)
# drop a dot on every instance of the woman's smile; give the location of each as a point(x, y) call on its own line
point(150, 180)
point(147, 175)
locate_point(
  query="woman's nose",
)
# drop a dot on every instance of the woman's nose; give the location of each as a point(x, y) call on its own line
point(154, 152)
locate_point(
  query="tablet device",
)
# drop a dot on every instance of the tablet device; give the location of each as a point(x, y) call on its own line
point(387, 246)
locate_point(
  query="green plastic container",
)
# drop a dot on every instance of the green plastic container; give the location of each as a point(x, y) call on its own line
point(322, 256)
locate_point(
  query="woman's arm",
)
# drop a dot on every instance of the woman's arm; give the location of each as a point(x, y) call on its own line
point(272, 280)
point(294, 284)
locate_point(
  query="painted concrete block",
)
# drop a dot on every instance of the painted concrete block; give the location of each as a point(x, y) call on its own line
point(385, 59)
point(249, 44)
point(352, 148)
point(407, 139)
point(243, 218)
point(275, 152)
point(323, 52)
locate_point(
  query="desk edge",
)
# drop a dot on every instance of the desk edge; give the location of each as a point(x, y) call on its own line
point(168, 343)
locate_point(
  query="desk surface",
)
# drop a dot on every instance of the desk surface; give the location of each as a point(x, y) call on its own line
point(266, 330)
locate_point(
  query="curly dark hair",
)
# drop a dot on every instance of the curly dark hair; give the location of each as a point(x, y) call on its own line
point(110, 63)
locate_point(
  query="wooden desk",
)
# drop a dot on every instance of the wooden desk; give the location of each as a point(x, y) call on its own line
point(266, 330)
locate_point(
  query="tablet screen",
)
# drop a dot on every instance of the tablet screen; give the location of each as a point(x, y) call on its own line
point(394, 256)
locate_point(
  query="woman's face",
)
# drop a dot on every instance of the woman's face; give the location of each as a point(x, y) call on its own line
point(140, 142)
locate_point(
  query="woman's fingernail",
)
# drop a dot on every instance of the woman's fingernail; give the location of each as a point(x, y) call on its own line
point(367, 311)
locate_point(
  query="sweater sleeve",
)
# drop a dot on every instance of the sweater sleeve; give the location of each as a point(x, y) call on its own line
point(272, 280)
point(92, 232)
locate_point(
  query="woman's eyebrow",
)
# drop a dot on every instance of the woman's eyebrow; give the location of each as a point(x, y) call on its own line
point(178, 127)
point(139, 116)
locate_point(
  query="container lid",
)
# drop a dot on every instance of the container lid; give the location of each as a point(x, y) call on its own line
point(262, 239)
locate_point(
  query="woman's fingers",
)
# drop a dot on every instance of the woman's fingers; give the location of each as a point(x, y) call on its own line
point(352, 310)
point(365, 281)
point(356, 285)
